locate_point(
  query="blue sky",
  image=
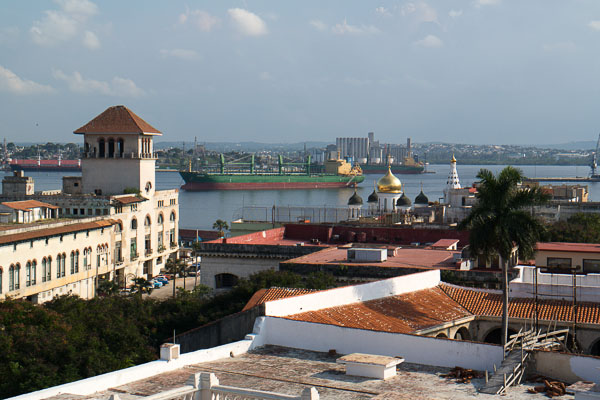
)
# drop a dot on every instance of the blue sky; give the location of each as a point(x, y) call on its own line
point(477, 71)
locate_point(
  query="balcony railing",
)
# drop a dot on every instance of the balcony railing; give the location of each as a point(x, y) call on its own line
point(173, 245)
point(148, 252)
point(161, 248)
point(119, 260)
point(135, 256)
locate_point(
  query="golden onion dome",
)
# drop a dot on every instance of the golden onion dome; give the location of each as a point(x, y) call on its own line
point(389, 183)
point(453, 159)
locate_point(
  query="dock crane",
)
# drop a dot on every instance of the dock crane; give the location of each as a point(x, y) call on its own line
point(594, 164)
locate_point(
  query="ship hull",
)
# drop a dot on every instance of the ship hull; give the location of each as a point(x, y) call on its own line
point(44, 168)
point(202, 182)
point(396, 169)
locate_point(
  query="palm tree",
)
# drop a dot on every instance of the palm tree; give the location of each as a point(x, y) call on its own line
point(501, 220)
point(221, 226)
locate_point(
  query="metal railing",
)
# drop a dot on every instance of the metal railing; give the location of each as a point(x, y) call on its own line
point(205, 386)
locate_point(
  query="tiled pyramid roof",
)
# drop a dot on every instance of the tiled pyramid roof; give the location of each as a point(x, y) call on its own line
point(117, 119)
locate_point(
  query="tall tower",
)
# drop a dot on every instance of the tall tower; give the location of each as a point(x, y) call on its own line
point(118, 153)
point(453, 181)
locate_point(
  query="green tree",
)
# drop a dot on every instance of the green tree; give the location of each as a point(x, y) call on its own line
point(142, 285)
point(500, 220)
point(579, 228)
point(221, 226)
point(107, 288)
point(175, 267)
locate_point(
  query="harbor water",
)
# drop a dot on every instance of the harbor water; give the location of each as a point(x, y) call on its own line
point(201, 209)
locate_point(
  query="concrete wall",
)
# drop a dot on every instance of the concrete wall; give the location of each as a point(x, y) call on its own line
point(375, 234)
point(240, 267)
point(414, 349)
point(225, 330)
point(352, 294)
point(566, 367)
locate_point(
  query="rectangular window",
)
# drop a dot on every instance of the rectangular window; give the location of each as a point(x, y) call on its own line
point(74, 211)
point(28, 275)
point(118, 252)
point(82, 211)
point(133, 248)
point(77, 261)
point(90, 211)
point(591, 266)
point(98, 260)
point(172, 237)
point(555, 262)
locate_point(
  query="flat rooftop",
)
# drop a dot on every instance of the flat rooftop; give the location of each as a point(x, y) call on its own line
point(406, 257)
point(289, 371)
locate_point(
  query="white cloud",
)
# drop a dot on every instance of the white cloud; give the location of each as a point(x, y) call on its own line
point(247, 23)
point(383, 11)
point(10, 82)
point(203, 20)
point(183, 54)
point(480, 3)
point(345, 28)
point(455, 13)
point(420, 12)
point(116, 87)
point(595, 25)
point(90, 40)
point(318, 24)
point(430, 41)
point(559, 47)
point(68, 23)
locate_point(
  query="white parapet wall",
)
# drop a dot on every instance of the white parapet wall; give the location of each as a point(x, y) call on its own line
point(414, 349)
point(554, 286)
point(353, 294)
point(102, 382)
point(567, 367)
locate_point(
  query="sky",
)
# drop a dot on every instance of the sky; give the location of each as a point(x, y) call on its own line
point(474, 71)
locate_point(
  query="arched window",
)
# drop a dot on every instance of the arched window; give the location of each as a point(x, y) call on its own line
point(147, 221)
point(77, 261)
point(172, 217)
point(28, 274)
point(11, 278)
point(49, 269)
point(120, 147)
point(72, 262)
point(33, 272)
point(118, 227)
point(111, 148)
point(44, 266)
point(160, 219)
point(61, 261)
point(134, 224)
point(101, 148)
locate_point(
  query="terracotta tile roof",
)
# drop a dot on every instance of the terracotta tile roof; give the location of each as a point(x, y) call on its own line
point(404, 313)
point(569, 247)
point(274, 293)
point(7, 237)
point(484, 303)
point(117, 119)
point(130, 199)
point(27, 205)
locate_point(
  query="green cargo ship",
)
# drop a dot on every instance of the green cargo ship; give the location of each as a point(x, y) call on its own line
point(246, 176)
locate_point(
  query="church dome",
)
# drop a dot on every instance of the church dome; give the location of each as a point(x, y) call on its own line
point(355, 200)
point(389, 183)
point(373, 198)
point(403, 201)
point(421, 199)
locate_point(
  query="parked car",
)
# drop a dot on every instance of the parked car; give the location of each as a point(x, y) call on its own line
point(162, 280)
point(156, 284)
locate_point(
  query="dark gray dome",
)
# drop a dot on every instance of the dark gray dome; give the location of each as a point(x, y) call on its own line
point(355, 200)
point(421, 199)
point(373, 198)
point(403, 201)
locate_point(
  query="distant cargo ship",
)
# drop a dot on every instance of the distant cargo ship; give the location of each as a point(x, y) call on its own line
point(246, 176)
point(59, 165)
point(409, 166)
